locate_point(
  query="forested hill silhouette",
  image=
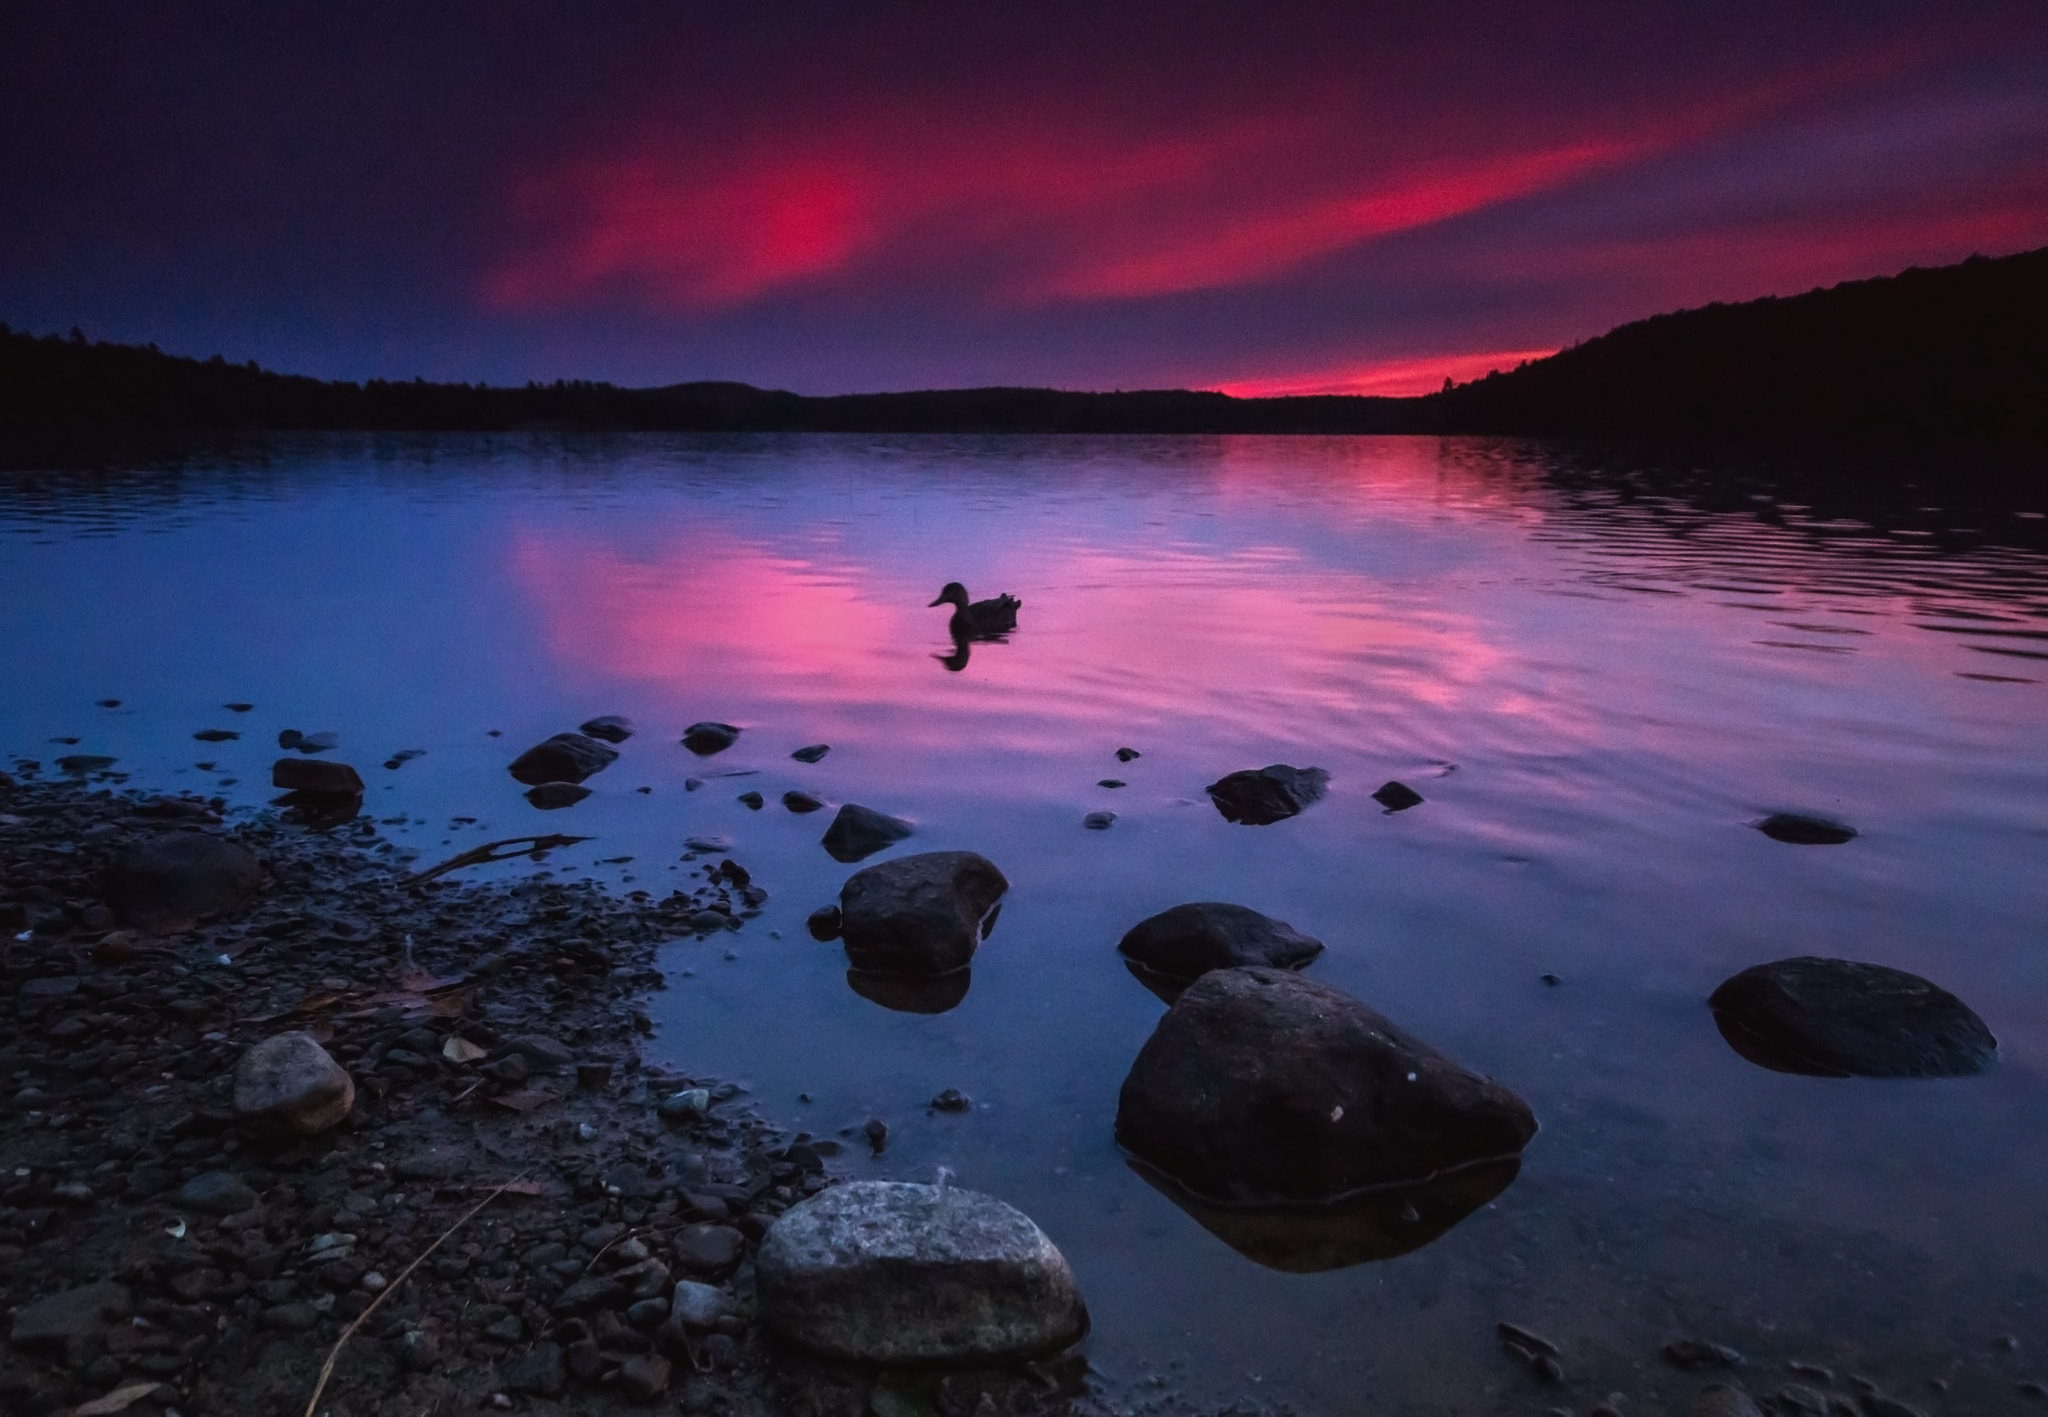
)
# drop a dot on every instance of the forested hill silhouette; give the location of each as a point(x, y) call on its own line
point(1959, 350)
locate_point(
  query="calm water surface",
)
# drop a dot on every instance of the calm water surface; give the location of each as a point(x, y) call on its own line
point(1596, 684)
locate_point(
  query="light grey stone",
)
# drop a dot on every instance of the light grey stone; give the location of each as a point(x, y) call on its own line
point(894, 1272)
point(289, 1086)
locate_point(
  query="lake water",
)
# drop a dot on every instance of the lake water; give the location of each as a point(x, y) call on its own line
point(1598, 673)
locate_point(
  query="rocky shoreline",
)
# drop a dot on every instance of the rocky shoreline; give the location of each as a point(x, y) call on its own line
point(596, 1219)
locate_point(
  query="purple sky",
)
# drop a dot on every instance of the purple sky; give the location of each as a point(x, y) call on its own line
point(829, 197)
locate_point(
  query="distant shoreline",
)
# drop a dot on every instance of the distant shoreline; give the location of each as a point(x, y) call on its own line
point(1955, 351)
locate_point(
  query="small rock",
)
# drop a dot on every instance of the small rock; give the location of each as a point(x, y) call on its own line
point(707, 843)
point(644, 1376)
point(289, 738)
point(690, 1102)
point(216, 735)
point(1397, 797)
point(697, 1305)
point(1724, 1400)
point(589, 1294)
point(78, 764)
point(611, 727)
point(801, 802)
point(892, 1272)
point(823, 923)
point(753, 801)
point(289, 1086)
point(216, 1193)
point(811, 754)
point(566, 757)
point(169, 881)
point(918, 914)
point(858, 832)
point(1099, 821)
point(1801, 830)
point(707, 738)
point(709, 1249)
point(291, 1318)
point(1112, 782)
point(542, 1053)
point(71, 1320)
point(553, 796)
point(1694, 1354)
point(877, 1132)
point(1269, 794)
point(306, 775)
point(317, 742)
point(1839, 1018)
point(952, 1100)
point(1188, 941)
point(1124, 755)
point(540, 1370)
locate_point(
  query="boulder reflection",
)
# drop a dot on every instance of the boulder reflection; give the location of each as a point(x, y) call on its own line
point(1376, 1225)
point(911, 993)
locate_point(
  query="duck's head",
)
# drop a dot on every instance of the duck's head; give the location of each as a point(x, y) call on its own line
point(955, 593)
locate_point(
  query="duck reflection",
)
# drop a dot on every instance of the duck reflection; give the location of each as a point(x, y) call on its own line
point(911, 993)
point(962, 652)
point(1376, 1225)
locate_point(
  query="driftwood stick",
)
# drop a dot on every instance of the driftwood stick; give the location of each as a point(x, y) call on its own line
point(494, 851)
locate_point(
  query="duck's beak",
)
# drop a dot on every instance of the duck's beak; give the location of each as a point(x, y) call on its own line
point(940, 601)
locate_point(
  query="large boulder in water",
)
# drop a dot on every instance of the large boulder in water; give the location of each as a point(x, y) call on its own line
point(170, 881)
point(709, 737)
point(859, 832)
point(1839, 1018)
point(894, 1272)
point(316, 775)
point(1188, 941)
point(918, 914)
point(566, 757)
point(1260, 1087)
point(1259, 797)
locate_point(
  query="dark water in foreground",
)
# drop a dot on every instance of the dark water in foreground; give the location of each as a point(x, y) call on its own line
point(1597, 686)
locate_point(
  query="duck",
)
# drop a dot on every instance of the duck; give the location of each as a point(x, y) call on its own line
point(979, 618)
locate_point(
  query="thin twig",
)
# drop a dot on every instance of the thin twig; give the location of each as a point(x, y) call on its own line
point(327, 1368)
point(490, 851)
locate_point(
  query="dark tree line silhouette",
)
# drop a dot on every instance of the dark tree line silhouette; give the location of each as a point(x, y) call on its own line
point(1961, 349)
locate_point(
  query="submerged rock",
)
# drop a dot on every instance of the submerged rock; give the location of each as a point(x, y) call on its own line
point(912, 993)
point(1397, 797)
point(801, 802)
point(1839, 1018)
point(289, 1086)
point(1377, 1225)
point(314, 775)
point(1099, 821)
point(812, 753)
point(566, 757)
point(707, 738)
point(918, 914)
point(1262, 1087)
point(823, 923)
point(552, 796)
point(1801, 830)
point(1270, 794)
point(858, 832)
point(893, 1272)
point(78, 764)
point(172, 880)
point(752, 801)
point(612, 727)
point(1188, 941)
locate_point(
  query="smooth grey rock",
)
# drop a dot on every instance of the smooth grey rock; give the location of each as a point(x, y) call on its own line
point(709, 737)
point(1840, 1018)
point(1261, 796)
point(709, 1249)
point(172, 880)
point(73, 1320)
point(858, 832)
point(289, 1086)
point(216, 1193)
point(918, 914)
point(316, 775)
point(644, 1376)
point(566, 757)
point(553, 796)
point(698, 1305)
point(1260, 1087)
point(1188, 941)
point(540, 1369)
point(612, 727)
point(893, 1272)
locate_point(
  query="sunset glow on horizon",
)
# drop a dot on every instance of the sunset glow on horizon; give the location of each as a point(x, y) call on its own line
point(1301, 198)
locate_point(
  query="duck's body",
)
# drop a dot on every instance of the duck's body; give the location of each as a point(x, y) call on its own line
point(978, 619)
